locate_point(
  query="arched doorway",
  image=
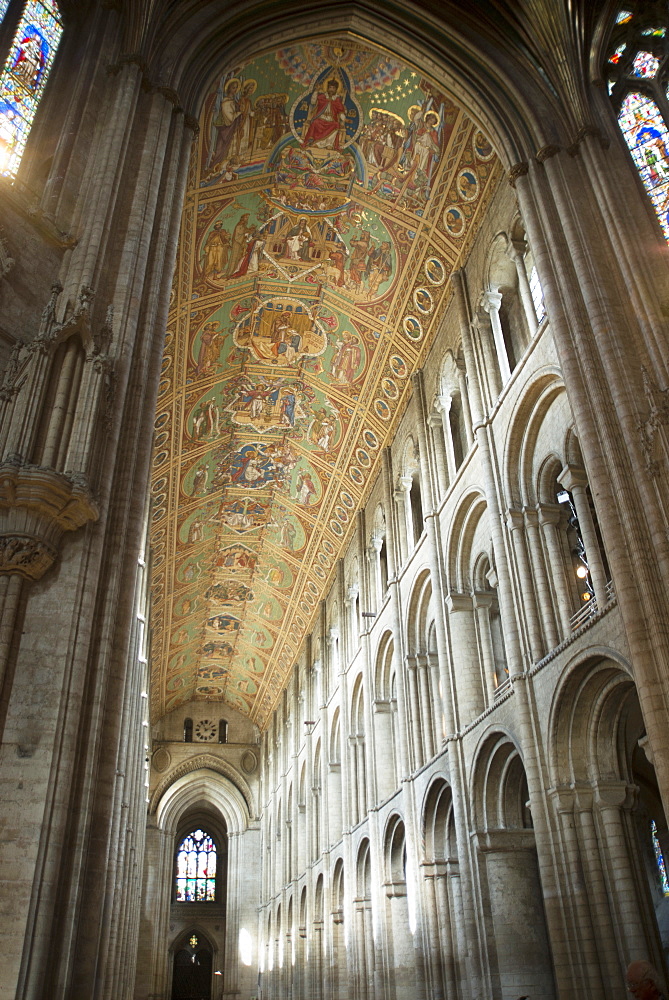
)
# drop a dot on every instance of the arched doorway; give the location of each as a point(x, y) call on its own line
point(191, 977)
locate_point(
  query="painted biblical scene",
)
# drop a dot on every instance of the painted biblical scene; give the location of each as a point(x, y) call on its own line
point(351, 252)
point(282, 331)
point(332, 190)
point(322, 119)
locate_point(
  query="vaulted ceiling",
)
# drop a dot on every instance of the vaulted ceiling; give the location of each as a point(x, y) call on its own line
point(331, 192)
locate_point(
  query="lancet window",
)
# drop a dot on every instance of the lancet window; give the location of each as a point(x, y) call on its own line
point(24, 76)
point(637, 70)
point(196, 869)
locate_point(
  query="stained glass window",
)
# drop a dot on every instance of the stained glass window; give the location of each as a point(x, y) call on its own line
point(196, 869)
point(24, 77)
point(4, 4)
point(645, 64)
point(637, 77)
point(659, 859)
point(648, 140)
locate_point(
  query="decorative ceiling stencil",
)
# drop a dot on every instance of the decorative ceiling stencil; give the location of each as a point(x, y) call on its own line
point(331, 194)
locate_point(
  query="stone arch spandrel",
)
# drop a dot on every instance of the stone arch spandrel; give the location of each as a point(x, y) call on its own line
point(222, 785)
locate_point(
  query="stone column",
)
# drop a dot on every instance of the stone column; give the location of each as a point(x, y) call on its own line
point(415, 718)
point(491, 301)
point(436, 957)
point(491, 379)
point(353, 630)
point(439, 448)
point(576, 481)
point(482, 603)
point(466, 666)
point(516, 909)
point(516, 250)
point(403, 970)
point(541, 585)
point(404, 493)
point(549, 519)
point(614, 801)
point(464, 399)
point(444, 403)
point(514, 520)
point(427, 703)
point(374, 557)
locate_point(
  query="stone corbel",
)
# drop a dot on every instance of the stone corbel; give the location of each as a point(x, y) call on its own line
point(6, 260)
point(37, 506)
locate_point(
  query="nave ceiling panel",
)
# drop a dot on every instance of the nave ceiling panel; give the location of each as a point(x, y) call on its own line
point(331, 193)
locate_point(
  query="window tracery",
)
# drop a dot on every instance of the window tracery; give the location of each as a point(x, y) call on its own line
point(196, 869)
point(24, 76)
point(638, 76)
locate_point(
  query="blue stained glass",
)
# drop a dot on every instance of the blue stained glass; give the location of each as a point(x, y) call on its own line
point(196, 869)
point(648, 140)
point(623, 17)
point(24, 76)
point(4, 4)
point(659, 859)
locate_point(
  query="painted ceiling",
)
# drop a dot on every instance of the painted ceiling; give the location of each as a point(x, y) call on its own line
point(332, 192)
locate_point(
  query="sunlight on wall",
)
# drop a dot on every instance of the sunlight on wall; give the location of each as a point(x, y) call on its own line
point(245, 946)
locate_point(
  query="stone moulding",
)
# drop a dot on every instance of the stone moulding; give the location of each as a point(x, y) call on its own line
point(37, 506)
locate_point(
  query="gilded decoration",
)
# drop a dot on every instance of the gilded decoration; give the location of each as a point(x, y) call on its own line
point(332, 192)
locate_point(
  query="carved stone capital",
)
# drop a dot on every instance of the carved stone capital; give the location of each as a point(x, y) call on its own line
point(516, 171)
point(37, 506)
point(25, 556)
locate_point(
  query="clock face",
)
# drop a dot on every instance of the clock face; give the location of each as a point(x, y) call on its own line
point(205, 730)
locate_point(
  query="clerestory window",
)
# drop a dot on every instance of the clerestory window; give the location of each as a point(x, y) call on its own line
point(24, 76)
point(637, 72)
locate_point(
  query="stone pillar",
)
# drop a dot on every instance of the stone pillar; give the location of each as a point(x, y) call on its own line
point(614, 801)
point(482, 603)
point(374, 557)
point(403, 969)
point(444, 403)
point(524, 961)
point(528, 590)
point(491, 386)
point(353, 630)
point(466, 666)
point(415, 722)
point(516, 250)
point(576, 481)
point(439, 957)
point(541, 585)
point(549, 519)
point(491, 301)
point(427, 702)
point(404, 484)
point(464, 399)
point(439, 448)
